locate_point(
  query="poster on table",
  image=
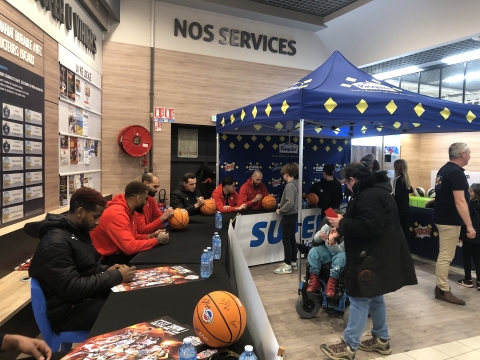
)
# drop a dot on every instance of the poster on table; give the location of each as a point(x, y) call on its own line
point(160, 276)
point(155, 340)
point(12, 146)
point(240, 155)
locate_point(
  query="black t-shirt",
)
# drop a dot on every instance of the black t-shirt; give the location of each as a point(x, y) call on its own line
point(329, 193)
point(450, 178)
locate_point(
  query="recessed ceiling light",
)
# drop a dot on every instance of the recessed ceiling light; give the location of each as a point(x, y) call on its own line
point(398, 72)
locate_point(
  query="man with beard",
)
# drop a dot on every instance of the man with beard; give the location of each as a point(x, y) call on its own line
point(252, 192)
point(68, 267)
point(226, 197)
point(152, 218)
point(116, 237)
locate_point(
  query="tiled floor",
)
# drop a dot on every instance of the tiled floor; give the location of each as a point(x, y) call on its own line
point(420, 327)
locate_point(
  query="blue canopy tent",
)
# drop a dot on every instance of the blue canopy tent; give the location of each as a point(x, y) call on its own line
point(339, 100)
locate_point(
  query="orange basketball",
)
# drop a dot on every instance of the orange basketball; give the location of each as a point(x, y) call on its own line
point(312, 199)
point(179, 220)
point(209, 207)
point(269, 202)
point(219, 319)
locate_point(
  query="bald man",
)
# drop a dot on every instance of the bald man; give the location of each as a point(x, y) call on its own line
point(252, 192)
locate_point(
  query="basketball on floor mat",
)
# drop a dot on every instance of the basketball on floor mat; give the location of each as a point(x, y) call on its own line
point(269, 202)
point(208, 207)
point(219, 319)
point(179, 220)
point(312, 199)
point(419, 191)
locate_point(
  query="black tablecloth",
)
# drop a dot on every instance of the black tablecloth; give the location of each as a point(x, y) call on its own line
point(186, 246)
point(177, 301)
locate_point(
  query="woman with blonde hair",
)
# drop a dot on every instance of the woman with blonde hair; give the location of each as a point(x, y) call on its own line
point(401, 190)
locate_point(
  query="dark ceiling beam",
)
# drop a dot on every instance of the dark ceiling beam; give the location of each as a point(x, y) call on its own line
point(97, 11)
point(113, 8)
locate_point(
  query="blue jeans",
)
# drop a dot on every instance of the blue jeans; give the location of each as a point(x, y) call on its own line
point(319, 255)
point(359, 308)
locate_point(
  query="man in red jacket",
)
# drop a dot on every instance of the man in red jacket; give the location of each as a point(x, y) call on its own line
point(116, 237)
point(226, 198)
point(252, 192)
point(152, 218)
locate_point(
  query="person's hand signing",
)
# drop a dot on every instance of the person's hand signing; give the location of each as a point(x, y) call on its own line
point(128, 273)
point(258, 197)
point(163, 237)
point(167, 214)
point(241, 207)
point(199, 202)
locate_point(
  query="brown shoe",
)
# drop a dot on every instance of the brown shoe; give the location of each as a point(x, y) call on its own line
point(448, 297)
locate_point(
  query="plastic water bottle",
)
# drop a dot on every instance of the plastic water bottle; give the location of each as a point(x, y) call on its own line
point(187, 351)
point(247, 354)
point(205, 264)
point(210, 255)
point(217, 246)
point(218, 220)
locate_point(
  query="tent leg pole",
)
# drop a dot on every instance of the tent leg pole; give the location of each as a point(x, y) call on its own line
point(299, 200)
point(217, 166)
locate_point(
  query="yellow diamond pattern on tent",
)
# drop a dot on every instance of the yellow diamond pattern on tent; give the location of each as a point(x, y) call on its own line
point(275, 146)
point(379, 128)
point(346, 141)
point(232, 118)
point(327, 148)
point(282, 138)
point(222, 122)
point(470, 117)
point(396, 125)
point(391, 107)
point(261, 146)
point(295, 139)
point(224, 137)
point(318, 129)
point(419, 109)
point(243, 115)
point(285, 107)
point(334, 141)
point(239, 137)
point(257, 127)
point(309, 140)
point(253, 138)
point(246, 146)
point(321, 141)
point(362, 106)
point(330, 105)
point(336, 131)
point(232, 145)
point(268, 109)
point(315, 148)
point(278, 125)
point(254, 112)
point(297, 126)
point(445, 113)
point(268, 138)
point(339, 149)
point(416, 124)
point(435, 234)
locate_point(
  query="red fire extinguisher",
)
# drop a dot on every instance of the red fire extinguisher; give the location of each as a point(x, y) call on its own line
point(162, 197)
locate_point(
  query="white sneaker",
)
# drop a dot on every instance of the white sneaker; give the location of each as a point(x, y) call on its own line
point(283, 269)
point(294, 265)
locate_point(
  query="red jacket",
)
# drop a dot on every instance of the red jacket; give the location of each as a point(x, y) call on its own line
point(149, 221)
point(117, 231)
point(248, 193)
point(220, 200)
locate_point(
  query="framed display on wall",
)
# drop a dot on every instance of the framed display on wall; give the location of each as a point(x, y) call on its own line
point(187, 143)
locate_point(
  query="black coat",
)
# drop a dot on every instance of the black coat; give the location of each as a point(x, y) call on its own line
point(474, 208)
point(67, 265)
point(183, 199)
point(378, 257)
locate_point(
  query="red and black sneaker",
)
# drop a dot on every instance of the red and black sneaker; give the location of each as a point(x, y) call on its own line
point(466, 283)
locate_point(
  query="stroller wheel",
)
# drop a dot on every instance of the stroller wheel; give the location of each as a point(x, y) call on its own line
point(346, 314)
point(308, 309)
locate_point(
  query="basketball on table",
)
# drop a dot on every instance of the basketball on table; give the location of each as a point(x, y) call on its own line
point(419, 191)
point(208, 207)
point(219, 319)
point(431, 193)
point(179, 220)
point(269, 202)
point(312, 199)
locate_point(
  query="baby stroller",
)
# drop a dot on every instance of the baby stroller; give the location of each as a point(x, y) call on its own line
point(308, 304)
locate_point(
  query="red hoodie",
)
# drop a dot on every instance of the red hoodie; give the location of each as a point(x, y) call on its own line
point(149, 221)
point(248, 193)
point(221, 201)
point(117, 231)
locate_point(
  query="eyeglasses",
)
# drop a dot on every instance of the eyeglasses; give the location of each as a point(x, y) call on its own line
point(223, 355)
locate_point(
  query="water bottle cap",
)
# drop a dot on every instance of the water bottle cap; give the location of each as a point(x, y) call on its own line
point(208, 248)
point(249, 348)
point(218, 212)
point(215, 233)
point(205, 250)
point(187, 340)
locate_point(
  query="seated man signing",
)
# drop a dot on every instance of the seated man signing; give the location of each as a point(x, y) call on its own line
point(68, 267)
point(116, 236)
point(226, 198)
point(252, 192)
point(152, 218)
point(187, 196)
